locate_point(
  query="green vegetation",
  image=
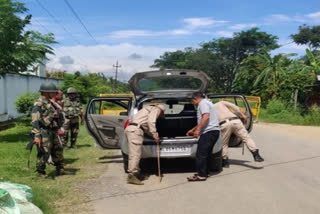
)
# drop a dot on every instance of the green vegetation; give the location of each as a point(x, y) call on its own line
point(20, 48)
point(278, 112)
point(25, 101)
point(219, 58)
point(91, 85)
point(55, 194)
point(308, 36)
point(244, 64)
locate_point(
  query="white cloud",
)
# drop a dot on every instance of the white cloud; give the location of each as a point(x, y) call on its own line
point(282, 18)
point(314, 16)
point(191, 25)
point(224, 33)
point(242, 26)
point(194, 23)
point(131, 33)
point(289, 46)
point(100, 58)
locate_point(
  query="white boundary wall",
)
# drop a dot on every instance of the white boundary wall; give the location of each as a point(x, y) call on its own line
point(11, 86)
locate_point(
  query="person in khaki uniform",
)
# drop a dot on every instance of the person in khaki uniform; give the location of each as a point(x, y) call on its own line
point(230, 123)
point(143, 122)
point(73, 110)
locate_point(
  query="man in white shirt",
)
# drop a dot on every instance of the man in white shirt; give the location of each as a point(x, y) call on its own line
point(208, 132)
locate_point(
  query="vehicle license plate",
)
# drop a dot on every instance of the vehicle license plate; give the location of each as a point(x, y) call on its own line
point(178, 149)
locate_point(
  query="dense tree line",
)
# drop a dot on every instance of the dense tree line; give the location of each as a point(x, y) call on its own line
point(92, 85)
point(244, 64)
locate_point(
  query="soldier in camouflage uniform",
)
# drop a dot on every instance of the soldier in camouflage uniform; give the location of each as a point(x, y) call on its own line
point(47, 129)
point(73, 110)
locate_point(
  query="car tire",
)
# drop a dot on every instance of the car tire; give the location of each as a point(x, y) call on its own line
point(216, 162)
point(125, 162)
point(234, 141)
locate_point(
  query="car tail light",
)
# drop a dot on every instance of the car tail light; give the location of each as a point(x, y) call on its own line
point(126, 123)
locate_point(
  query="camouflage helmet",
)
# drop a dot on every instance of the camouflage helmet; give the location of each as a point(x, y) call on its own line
point(71, 91)
point(48, 87)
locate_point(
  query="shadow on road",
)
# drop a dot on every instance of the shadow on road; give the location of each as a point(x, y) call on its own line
point(110, 157)
point(70, 160)
point(243, 163)
point(73, 172)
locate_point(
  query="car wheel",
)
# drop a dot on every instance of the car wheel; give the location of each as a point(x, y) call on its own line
point(216, 162)
point(147, 165)
point(125, 162)
point(234, 141)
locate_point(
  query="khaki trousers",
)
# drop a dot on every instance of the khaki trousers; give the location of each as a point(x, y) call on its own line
point(235, 127)
point(134, 137)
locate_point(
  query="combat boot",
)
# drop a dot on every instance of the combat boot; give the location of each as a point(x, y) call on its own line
point(73, 146)
point(225, 163)
point(132, 179)
point(256, 156)
point(61, 171)
point(142, 177)
point(42, 175)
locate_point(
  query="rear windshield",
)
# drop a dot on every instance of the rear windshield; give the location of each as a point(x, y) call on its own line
point(174, 107)
point(172, 83)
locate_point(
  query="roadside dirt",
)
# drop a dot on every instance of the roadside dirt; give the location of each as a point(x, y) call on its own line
point(292, 155)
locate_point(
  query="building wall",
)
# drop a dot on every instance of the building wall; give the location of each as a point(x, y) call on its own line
point(11, 86)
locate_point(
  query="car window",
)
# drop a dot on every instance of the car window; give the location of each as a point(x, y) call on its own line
point(174, 83)
point(109, 107)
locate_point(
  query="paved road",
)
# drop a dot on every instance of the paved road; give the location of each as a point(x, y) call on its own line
point(287, 182)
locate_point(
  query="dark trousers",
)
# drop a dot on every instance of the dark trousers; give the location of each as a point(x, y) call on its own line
point(204, 151)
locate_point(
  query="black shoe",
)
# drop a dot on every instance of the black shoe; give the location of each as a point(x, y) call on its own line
point(42, 175)
point(142, 177)
point(256, 156)
point(225, 163)
point(60, 172)
point(73, 146)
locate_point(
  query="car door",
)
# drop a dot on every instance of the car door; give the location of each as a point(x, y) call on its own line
point(242, 102)
point(105, 118)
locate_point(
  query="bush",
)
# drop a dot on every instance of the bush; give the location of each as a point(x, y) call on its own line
point(24, 102)
point(313, 116)
point(275, 106)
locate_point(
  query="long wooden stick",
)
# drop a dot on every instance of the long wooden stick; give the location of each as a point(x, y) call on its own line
point(158, 157)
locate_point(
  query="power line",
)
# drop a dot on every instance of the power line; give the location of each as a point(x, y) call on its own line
point(80, 21)
point(84, 26)
point(55, 20)
point(67, 53)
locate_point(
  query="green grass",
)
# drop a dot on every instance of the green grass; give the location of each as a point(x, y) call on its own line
point(52, 195)
point(290, 117)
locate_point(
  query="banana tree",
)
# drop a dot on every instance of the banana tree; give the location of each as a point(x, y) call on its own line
point(274, 68)
point(313, 61)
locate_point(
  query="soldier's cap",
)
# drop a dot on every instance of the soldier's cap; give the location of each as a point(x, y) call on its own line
point(161, 107)
point(48, 87)
point(72, 91)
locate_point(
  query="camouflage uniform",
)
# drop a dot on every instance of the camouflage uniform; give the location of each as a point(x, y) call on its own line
point(44, 127)
point(72, 110)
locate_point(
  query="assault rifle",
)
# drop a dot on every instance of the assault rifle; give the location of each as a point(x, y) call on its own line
point(40, 149)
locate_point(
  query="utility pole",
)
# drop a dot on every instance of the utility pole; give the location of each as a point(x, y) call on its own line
point(116, 77)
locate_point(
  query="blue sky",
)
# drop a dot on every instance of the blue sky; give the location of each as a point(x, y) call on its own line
point(137, 32)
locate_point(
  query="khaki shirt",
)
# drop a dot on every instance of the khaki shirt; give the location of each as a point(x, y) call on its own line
point(224, 110)
point(147, 118)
